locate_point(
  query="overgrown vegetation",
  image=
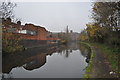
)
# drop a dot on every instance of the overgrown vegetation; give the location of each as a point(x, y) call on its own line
point(105, 30)
point(106, 25)
point(10, 41)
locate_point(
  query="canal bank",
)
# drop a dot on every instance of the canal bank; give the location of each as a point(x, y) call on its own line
point(89, 67)
point(99, 66)
point(102, 66)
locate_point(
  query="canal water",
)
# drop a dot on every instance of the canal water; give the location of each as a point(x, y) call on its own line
point(63, 61)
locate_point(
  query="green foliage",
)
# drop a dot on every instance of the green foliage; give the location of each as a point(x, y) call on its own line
point(86, 76)
point(88, 69)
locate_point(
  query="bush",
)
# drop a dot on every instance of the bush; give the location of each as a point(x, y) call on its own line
point(11, 43)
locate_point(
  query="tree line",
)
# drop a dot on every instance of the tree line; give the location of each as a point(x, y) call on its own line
point(105, 27)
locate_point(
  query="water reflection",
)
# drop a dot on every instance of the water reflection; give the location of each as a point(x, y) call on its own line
point(67, 49)
point(35, 62)
point(85, 51)
point(30, 59)
point(35, 58)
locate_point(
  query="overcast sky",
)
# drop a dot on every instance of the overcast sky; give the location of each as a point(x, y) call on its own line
point(55, 16)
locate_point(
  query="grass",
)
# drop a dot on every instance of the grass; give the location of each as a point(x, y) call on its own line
point(88, 68)
point(111, 55)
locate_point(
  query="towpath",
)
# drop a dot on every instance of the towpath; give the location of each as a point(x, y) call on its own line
point(100, 66)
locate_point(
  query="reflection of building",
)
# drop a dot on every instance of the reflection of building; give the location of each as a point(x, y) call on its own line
point(39, 60)
point(30, 59)
point(35, 62)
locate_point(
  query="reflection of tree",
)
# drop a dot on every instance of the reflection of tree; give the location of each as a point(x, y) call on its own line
point(67, 49)
point(85, 51)
point(70, 50)
point(67, 53)
point(88, 57)
point(64, 50)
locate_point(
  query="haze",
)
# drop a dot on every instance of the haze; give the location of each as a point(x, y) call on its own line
point(55, 16)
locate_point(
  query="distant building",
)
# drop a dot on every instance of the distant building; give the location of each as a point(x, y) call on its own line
point(74, 36)
point(27, 31)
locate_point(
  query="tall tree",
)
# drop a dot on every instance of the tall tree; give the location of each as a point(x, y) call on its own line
point(106, 14)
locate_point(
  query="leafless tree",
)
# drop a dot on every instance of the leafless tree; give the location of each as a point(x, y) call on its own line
point(6, 10)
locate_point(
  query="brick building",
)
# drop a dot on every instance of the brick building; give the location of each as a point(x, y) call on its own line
point(27, 31)
point(30, 31)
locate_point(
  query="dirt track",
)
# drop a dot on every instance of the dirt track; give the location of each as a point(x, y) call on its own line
point(100, 66)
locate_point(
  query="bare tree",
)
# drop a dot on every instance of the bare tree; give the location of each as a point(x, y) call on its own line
point(6, 10)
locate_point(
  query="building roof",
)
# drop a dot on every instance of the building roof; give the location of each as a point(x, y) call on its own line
point(33, 27)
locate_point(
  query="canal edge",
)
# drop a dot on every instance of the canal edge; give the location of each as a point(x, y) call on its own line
point(89, 67)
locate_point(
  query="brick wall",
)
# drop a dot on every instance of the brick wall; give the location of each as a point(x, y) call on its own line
point(41, 32)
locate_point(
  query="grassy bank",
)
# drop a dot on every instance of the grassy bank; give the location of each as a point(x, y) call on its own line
point(88, 68)
point(111, 54)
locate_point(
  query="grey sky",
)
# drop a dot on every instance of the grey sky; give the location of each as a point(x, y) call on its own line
point(55, 16)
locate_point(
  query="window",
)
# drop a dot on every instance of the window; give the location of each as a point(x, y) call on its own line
point(31, 32)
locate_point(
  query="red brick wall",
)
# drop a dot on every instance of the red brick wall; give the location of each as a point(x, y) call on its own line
point(26, 36)
point(41, 32)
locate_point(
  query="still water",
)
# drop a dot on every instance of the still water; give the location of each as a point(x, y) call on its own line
point(63, 61)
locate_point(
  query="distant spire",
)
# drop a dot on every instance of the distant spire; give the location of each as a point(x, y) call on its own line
point(67, 31)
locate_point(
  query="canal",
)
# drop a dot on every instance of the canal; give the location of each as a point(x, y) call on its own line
point(62, 61)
